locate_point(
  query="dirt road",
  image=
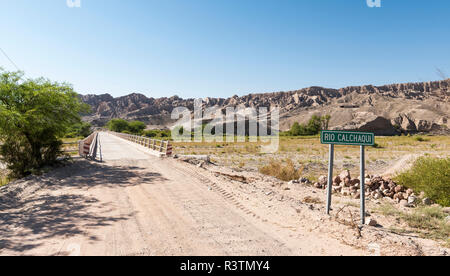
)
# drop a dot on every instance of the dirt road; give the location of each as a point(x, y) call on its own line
point(138, 204)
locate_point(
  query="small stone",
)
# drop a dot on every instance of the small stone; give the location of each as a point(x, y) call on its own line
point(337, 180)
point(412, 199)
point(378, 196)
point(323, 180)
point(304, 180)
point(347, 182)
point(345, 174)
point(357, 196)
point(409, 192)
point(398, 197)
point(399, 189)
point(446, 210)
point(318, 185)
point(427, 201)
point(371, 222)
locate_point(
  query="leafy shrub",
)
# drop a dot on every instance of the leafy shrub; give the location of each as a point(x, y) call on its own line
point(285, 172)
point(82, 129)
point(430, 175)
point(157, 133)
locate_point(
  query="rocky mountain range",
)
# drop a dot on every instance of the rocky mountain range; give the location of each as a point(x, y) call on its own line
point(385, 110)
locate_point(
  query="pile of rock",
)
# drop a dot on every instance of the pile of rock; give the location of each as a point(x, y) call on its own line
point(375, 187)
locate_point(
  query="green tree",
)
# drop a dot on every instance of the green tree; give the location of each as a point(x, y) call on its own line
point(313, 127)
point(296, 129)
point(117, 125)
point(136, 127)
point(81, 129)
point(326, 122)
point(34, 115)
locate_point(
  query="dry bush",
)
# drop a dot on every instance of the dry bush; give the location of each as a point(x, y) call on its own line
point(285, 172)
point(312, 200)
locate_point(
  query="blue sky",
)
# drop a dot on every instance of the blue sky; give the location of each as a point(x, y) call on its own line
point(218, 48)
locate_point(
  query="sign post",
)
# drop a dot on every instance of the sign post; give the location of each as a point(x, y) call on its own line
point(348, 138)
point(362, 185)
point(330, 179)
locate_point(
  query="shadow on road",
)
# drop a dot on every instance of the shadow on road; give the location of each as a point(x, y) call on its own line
point(28, 222)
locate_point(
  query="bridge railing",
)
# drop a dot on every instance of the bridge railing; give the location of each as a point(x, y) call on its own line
point(163, 147)
point(87, 148)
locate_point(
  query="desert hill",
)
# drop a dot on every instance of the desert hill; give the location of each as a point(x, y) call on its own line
point(385, 110)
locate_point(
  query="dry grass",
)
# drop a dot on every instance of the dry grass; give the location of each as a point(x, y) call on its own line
point(312, 200)
point(313, 156)
point(285, 171)
point(426, 221)
point(3, 179)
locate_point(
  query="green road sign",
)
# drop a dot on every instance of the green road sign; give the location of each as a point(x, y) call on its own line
point(347, 138)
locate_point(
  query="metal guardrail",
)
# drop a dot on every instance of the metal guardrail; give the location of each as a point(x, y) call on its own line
point(161, 146)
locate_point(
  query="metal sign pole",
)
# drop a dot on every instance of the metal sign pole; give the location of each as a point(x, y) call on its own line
point(363, 186)
point(330, 179)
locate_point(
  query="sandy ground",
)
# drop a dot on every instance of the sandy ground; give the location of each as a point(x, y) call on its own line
point(137, 204)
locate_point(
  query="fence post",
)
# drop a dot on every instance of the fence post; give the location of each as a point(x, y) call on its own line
point(169, 149)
